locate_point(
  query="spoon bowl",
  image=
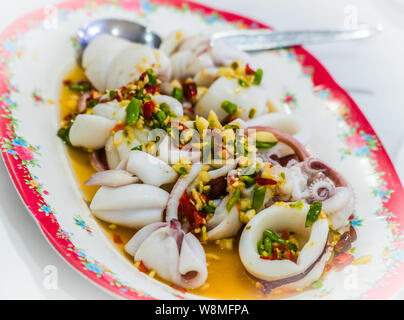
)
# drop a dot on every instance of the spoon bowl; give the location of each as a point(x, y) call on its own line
point(118, 28)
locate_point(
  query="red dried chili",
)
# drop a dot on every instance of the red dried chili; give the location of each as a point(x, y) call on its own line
point(189, 211)
point(190, 90)
point(148, 109)
point(249, 70)
point(119, 127)
point(265, 181)
point(142, 267)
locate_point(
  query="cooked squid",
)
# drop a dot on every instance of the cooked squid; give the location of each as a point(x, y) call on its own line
point(284, 272)
point(149, 169)
point(111, 110)
point(224, 224)
point(90, 131)
point(112, 178)
point(121, 62)
point(224, 89)
point(133, 206)
point(176, 256)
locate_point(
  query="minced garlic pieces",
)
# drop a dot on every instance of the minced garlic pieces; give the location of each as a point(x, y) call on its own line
point(245, 217)
point(214, 122)
point(226, 244)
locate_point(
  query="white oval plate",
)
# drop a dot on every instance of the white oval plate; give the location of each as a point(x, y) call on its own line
point(37, 51)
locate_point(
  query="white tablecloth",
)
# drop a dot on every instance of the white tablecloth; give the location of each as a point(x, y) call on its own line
point(372, 71)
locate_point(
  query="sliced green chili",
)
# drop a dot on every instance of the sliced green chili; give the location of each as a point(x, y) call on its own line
point(243, 83)
point(265, 145)
point(248, 180)
point(138, 148)
point(152, 77)
point(268, 245)
point(133, 111)
point(233, 199)
point(274, 238)
point(178, 94)
point(259, 248)
point(208, 208)
point(258, 197)
point(258, 77)
point(229, 107)
point(79, 87)
point(312, 215)
point(161, 116)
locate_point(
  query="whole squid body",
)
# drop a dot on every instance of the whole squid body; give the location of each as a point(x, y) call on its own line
point(121, 62)
point(310, 262)
point(133, 205)
point(176, 256)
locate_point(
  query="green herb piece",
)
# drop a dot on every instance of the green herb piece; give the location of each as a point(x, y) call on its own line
point(258, 77)
point(298, 205)
point(91, 103)
point(229, 107)
point(63, 133)
point(265, 145)
point(178, 94)
point(152, 77)
point(248, 181)
point(258, 197)
point(133, 111)
point(208, 208)
point(243, 83)
point(314, 212)
point(233, 199)
point(251, 113)
point(182, 171)
point(138, 148)
point(274, 238)
point(112, 94)
point(79, 87)
point(140, 94)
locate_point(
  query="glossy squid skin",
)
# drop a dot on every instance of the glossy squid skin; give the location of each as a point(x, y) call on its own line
point(274, 273)
point(175, 255)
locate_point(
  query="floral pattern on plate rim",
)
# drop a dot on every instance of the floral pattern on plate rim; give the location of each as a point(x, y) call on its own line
point(19, 155)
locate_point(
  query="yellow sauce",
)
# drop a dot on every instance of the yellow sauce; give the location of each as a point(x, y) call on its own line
point(227, 278)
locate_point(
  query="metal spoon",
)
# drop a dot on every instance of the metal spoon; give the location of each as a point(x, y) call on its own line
point(247, 40)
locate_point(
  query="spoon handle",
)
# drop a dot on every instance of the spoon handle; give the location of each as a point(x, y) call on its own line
point(253, 40)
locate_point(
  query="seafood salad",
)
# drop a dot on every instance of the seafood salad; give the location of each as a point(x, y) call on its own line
point(206, 184)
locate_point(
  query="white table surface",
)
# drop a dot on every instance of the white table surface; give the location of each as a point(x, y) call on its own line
point(372, 71)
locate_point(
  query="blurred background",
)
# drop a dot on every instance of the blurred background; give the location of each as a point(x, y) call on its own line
point(371, 70)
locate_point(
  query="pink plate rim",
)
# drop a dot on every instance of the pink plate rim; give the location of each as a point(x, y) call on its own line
point(322, 80)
